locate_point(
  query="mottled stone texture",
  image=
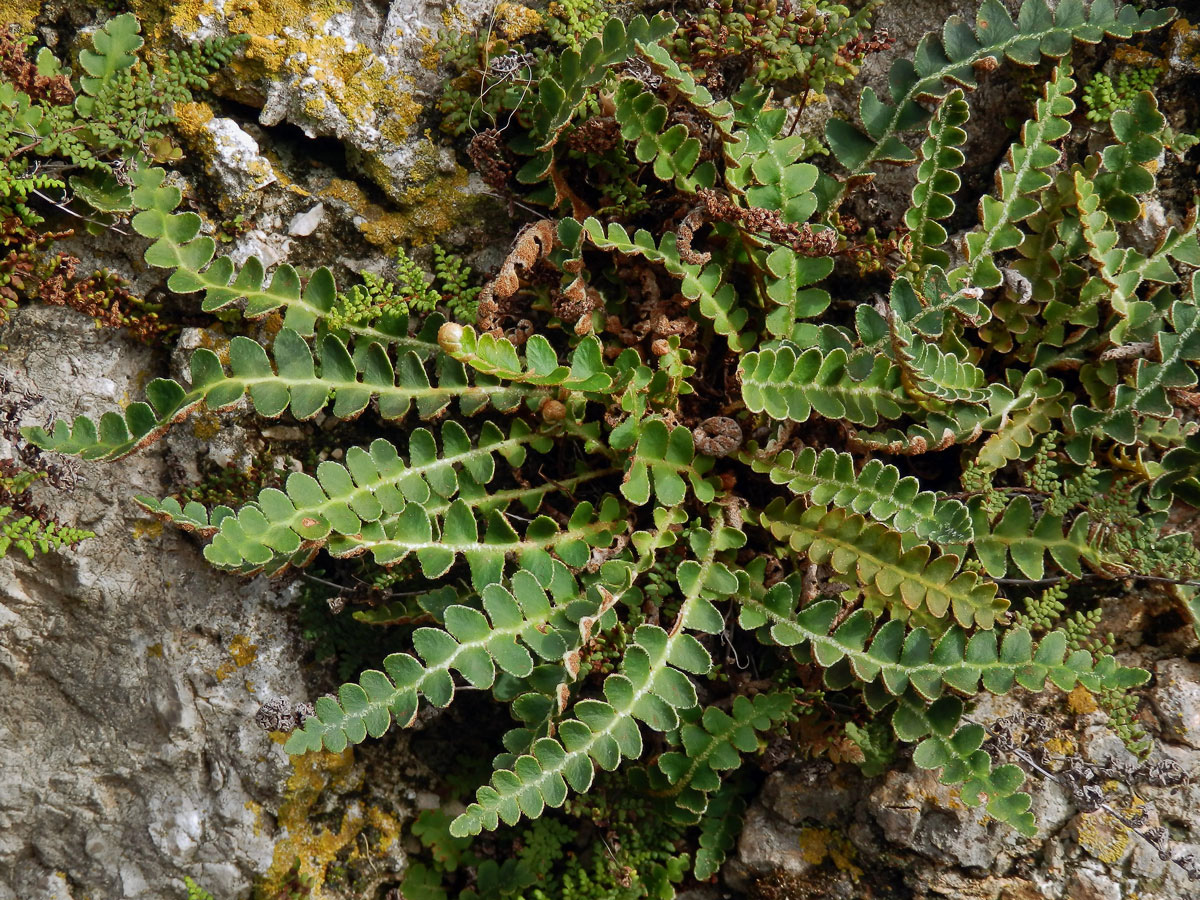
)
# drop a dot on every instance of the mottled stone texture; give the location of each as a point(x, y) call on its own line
point(131, 671)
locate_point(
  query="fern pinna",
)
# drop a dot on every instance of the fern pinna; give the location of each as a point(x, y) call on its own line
point(666, 436)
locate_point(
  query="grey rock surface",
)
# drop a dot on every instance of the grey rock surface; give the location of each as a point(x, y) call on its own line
point(131, 672)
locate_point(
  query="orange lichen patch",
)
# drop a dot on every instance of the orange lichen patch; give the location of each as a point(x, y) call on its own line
point(1131, 55)
point(1103, 836)
point(819, 844)
point(1185, 41)
point(1081, 702)
point(1061, 746)
point(206, 426)
point(313, 844)
point(386, 824)
point(241, 653)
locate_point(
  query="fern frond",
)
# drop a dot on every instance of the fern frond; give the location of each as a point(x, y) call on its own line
point(950, 61)
point(562, 90)
point(719, 830)
point(930, 373)
point(898, 659)
point(667, 458)
point(178, 245)
point(673, 151)
point(707, 285)
point(1016, 534)
point(718, 112)
point(1021, 411)
point(1147, 395)
point(649, 688)
point(889, 576)
point(937, 181)
point(114, 49)
point(293, 383)
point(475, 645)
point(1025, 175)
point(713, 741)
point(498, 357)
point(373, 487)
point(877, 491)
point(31, 536)
point(790, 384)
point(789, 280)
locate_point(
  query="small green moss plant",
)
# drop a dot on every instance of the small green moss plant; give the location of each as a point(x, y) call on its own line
point(673, 437)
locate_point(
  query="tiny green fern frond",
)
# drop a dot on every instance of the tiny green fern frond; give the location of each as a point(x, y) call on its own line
point(514, 626)
point(1026, 174)
point(339, 505)
point(498, 357)
point(1016, 534)
point(707, 286)
point(713, 741)
point(31, 536)
point(666, 458)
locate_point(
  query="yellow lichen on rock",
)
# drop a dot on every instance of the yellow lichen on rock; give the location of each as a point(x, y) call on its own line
point(819, 844)
point(190, 119)
point(1080, 701)
point(1103, 836)
point(312, 844)
point(320, 849)
point(433, 205)
point(241, 653)
point(513, 20)
point(22, 13)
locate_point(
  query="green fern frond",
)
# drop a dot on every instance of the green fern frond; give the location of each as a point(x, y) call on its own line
point(941, 64)
point(787, 383)
point(712, 743)
point(1017, 184)
point(498, 357)
point(178, 245)
point(1016, 534)
point(651, 687)
point(937, 181)
point(666, 458)
point(519, 623)
point(293, 383)
point(707, 286)
point(890, 575)
point(877, 491)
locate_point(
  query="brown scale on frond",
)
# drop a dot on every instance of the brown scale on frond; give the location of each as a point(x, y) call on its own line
point(801, 238)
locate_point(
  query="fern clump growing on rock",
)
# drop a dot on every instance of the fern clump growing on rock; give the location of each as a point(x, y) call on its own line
point(676, 421)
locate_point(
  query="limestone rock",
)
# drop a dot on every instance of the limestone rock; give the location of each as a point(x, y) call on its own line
point(1176, 698)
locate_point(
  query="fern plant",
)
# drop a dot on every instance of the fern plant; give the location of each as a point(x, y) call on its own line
point(663, 438)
